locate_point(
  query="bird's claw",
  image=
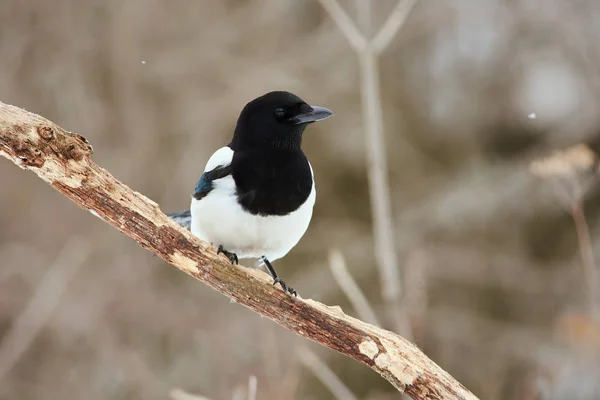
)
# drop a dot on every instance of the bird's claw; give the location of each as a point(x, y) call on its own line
point(285, 287)
point(232, 256)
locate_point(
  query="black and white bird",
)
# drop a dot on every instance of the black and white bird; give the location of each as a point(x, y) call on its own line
point(255, 198)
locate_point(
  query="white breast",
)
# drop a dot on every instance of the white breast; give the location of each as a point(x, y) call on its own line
point(219, 219)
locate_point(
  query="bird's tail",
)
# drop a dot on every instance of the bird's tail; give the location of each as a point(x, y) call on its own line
point(183, 218)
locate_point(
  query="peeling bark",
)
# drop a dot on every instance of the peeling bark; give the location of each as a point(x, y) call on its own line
point(63, 159)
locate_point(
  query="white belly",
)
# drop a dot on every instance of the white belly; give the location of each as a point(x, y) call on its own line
point(219, 219)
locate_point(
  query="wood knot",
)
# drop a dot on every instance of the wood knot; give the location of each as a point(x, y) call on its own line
point(74, 152)
point(46, 133)
point(84, 140)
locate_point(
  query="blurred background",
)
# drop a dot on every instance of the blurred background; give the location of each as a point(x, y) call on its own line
point(472, 92)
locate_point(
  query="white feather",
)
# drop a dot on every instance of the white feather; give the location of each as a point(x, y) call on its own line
point(221, 157)
point(219, 219)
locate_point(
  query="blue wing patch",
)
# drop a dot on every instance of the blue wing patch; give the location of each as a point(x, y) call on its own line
point(205, 183)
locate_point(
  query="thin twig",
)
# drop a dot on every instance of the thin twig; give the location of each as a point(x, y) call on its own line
point(42, 304)
point(587, 257)
point(363, 16)
point(573, 204)
point(327, 377)
point(381, 208)
point(342, 276)
point(377, 165)
point(392, 25)
point(252, 387)
point(345, 24)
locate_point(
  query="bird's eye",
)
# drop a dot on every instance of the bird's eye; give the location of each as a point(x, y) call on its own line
point(280, 112)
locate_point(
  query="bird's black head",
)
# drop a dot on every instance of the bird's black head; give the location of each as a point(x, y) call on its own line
point(277, 120)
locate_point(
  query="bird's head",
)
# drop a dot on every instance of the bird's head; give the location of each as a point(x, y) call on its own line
point(276, 119)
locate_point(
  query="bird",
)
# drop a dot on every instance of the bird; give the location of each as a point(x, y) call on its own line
point(255, 198)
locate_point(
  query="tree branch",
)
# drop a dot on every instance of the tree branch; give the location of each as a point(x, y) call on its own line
point(63, 160)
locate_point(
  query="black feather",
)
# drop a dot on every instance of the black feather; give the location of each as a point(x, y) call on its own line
point(205, 183)
point(183, 218)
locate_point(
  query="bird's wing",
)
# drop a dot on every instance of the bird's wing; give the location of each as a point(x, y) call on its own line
point(220, 158)
point(183, 218)
point(217, 167)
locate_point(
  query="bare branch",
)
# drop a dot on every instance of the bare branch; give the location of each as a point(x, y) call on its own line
point(363, 16)
point(345, 24)
point(587, 258)
point(64, 161)
point(379, 190)
point(327, 377)
point(252, 387)
point(43, 302)
point(392, 25)
point(337, 264)
point(377, 166)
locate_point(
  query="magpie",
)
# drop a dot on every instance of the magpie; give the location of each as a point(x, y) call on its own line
point(256, 195)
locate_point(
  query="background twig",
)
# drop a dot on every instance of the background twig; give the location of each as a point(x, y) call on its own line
point(318, 367)
point(43, 302)
point(337, 265)
point(392, 25)
point(377, 165)
point(252, 387)
point(587, 258)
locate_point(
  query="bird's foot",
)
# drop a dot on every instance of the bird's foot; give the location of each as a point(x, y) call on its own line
point(285, 287)
point(232, 256)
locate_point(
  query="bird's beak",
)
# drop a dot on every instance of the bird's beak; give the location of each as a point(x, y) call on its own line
point(312, 114)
